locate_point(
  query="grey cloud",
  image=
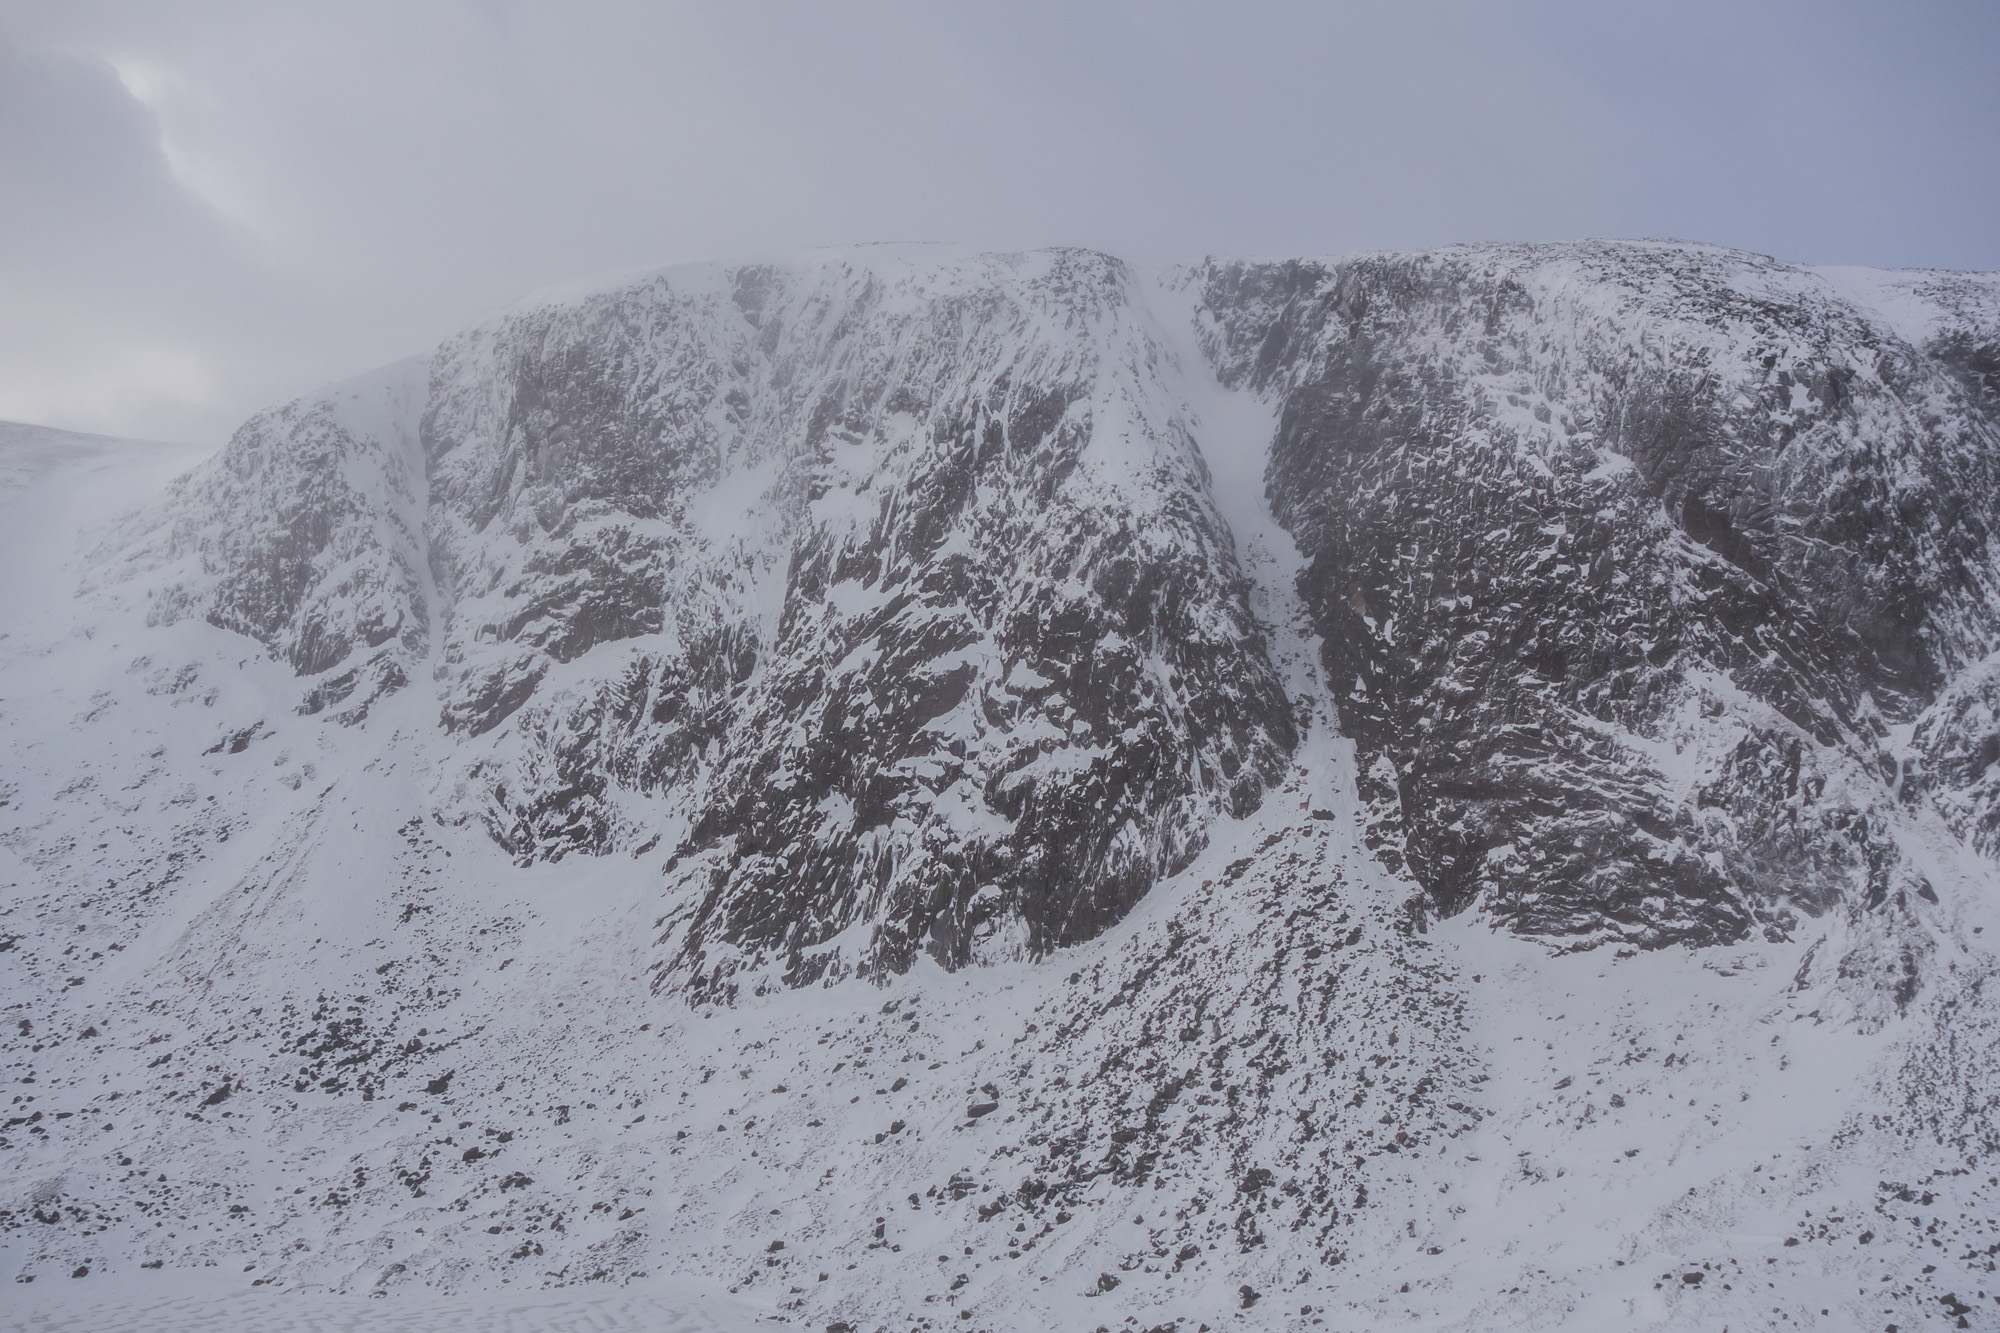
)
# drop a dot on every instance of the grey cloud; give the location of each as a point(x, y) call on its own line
point(314, 190)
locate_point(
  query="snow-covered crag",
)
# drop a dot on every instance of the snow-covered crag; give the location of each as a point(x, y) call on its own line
point(906, 590)
point(1630, 562)
point(1392, 789)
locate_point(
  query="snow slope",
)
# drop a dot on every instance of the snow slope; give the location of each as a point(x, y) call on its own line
point(526, 843)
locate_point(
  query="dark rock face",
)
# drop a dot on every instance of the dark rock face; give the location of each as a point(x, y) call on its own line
point(1956, 757)
point(1014, 676)
point(920, 597)
point(1954, 754)
point(1626, 559)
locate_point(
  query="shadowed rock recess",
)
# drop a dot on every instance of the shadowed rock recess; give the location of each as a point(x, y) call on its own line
point(889, 591)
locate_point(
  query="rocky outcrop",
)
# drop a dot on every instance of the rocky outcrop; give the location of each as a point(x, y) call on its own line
point(1628, 560)
point(888, 591)
point(901, 576)
point(306, 534)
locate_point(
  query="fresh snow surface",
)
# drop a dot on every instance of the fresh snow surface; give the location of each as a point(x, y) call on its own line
point(1513, 1138)
point(161, 1303)
point(1919, 304)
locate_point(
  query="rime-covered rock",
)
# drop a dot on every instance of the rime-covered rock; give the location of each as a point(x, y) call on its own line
point(306, 534)
point(1628, 561)
point(904, 578)
point(890, 591)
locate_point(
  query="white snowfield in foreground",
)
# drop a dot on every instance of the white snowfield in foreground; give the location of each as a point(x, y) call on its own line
point(653, 1310)
point(293, 1044)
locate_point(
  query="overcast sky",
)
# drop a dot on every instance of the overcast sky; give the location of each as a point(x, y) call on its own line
point(209, 206)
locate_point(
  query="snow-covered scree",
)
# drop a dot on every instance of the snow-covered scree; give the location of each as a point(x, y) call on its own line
point(826, 794)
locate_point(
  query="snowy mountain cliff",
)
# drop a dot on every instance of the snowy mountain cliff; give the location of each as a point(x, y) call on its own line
point(909, 788)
